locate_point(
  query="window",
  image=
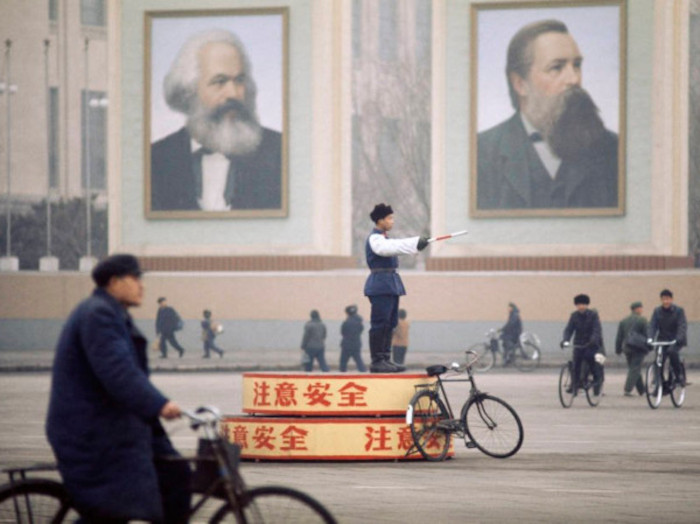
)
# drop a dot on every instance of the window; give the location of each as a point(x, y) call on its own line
point(53, 137)
point(94, 139)
point(423, 33)
point(357, 29)
point(92, 12)
point(53, 10)
point(388, 37)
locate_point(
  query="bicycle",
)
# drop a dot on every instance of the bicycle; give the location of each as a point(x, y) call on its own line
point(662, 380)
point(486, 422)
point(216, 479)
point(586, 382)
point(525, 356)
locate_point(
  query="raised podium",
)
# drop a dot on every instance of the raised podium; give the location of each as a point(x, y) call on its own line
point(324, 416)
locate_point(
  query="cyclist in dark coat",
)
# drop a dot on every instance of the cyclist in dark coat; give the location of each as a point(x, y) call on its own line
point(584, 325)
point(668, 323)
point(351, 343)
point(510, 333)
point(103, 411)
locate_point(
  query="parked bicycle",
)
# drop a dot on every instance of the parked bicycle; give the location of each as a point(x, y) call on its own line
point(485, 422)
point(587, 382)
point(662, 380)
point(525, 355)
point(216, 479)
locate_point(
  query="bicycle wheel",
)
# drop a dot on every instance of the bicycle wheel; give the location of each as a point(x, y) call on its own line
point(35, 500)
point(493, 426)
point(527, 357)
point(677, 390)
point(430, 437)
point(592, 389)
point(486, 358)
point(654, 386)
point(566, 392)
point(273, 504)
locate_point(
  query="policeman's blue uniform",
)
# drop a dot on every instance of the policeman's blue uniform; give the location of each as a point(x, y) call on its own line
point(384, 287)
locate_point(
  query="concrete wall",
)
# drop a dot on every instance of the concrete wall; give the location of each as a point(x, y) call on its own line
point(448, 311)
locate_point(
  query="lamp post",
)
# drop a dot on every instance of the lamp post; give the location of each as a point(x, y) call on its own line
point(88, 261)
point(48, 262)
point(8, 262)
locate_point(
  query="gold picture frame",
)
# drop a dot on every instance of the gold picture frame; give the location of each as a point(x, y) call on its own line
point(177, 183)
point(514, 171)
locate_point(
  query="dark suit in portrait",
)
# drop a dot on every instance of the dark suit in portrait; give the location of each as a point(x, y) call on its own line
point(511, 175)
point(254, 181)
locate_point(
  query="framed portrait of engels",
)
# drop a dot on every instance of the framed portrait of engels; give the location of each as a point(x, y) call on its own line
point(548, 105)
point(215, 114)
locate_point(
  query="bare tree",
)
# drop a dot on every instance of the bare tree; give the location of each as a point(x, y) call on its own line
point(391, 146)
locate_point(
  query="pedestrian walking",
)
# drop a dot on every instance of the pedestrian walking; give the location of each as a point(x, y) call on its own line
point(351, 341)
point(314, 343)
point(167, 323)
point(631, 341)
point(210, 330)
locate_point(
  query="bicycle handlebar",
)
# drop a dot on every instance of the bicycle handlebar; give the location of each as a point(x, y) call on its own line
point(662, 343)
point(204, 416)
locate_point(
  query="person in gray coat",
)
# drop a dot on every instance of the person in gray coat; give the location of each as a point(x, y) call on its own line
point(314, 343)
point(103, 417)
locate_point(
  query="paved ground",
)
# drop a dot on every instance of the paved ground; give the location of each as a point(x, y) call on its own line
point(620, 462)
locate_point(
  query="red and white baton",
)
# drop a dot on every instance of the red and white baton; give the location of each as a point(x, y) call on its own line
point(451, 235)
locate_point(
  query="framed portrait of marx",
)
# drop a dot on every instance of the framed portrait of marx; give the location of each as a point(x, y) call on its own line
point(215, 113)
point(547, 130)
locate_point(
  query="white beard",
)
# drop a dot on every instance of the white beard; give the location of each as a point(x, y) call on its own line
point(226, 136)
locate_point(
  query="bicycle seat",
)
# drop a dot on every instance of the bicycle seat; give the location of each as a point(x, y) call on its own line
point(436, 370)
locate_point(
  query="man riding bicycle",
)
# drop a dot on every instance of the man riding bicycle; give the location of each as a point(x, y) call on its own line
point(584, 325)
point(668, 323)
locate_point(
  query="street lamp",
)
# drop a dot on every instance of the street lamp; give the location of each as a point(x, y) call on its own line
point(88, 261)
point(48, 262)
point(8, 262)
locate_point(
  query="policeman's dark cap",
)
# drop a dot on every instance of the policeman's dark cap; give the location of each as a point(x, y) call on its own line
point(635, 305)
point(351, 310)
point(161, 300)
point(380, 211)
point(582, 299)
point(119, 265)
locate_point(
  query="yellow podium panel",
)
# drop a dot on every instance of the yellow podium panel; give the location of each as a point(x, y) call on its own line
point(282, 438)
point(329, 393)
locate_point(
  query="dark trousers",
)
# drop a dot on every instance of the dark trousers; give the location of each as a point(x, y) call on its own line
point(674, 357)
point(318, 354)
point(588, 356)
point(634, 371)
point(169, 337)
point(210, 346)
point(355, 354)
point(383, 319)
point(398, 354)
point(508, 350)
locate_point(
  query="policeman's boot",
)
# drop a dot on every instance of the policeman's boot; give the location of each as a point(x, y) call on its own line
point(388, 332)
point(379, 364)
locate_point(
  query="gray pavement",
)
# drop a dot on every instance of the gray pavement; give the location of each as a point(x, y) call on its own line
point(620, 462)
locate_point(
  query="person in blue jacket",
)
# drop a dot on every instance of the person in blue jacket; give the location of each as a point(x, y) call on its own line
point(384, 286)
point(103, 417)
